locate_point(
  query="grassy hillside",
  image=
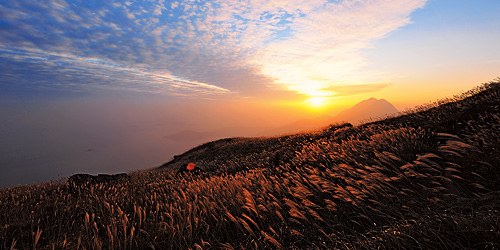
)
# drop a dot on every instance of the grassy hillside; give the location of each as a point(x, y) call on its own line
point(428, 179)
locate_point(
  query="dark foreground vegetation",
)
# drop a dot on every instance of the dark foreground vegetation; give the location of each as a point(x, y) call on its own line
point(429, 179)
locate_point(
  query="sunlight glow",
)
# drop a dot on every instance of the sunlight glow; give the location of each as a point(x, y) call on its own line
point(316, 102)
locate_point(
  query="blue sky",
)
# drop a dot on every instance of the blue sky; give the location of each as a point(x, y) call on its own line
point(188, 48)
point(450, 46)
point(216, 49)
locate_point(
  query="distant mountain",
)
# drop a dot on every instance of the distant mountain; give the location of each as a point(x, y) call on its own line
point(198, 137)
point(302, 125)
point(191, 135)
point(363, 111)
point(443, 159)
point(370, 108)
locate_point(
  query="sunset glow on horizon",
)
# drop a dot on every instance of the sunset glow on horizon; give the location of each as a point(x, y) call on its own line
point(153, 68)
point(316, 101)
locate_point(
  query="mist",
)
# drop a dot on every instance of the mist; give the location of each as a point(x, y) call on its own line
point(54, 137)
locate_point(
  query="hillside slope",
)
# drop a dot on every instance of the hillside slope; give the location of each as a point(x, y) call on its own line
point(426, 180)
point(471, 117)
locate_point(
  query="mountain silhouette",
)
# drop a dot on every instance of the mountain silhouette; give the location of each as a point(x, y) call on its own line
point(357, 114)
point(302, 125)
point(197, 137)
point(405, 182)
point(365, 110)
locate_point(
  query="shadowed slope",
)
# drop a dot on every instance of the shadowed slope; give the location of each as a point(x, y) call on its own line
point(425, 180)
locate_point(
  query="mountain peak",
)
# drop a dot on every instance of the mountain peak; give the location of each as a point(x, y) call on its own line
point(373, 100)
point(366, 109)
point(367, 101)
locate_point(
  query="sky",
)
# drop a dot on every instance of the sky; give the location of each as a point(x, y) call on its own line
point(97, 86)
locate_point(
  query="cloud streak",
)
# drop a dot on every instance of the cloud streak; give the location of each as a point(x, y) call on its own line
point(328, 44)
point(44, 70)
point(194, 48)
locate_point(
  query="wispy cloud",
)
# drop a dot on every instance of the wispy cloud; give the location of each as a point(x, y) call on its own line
point(328, 41)
point(43, 70)
point(194, 47)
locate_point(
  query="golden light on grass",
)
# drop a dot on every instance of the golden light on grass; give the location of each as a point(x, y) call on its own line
point(330, 188)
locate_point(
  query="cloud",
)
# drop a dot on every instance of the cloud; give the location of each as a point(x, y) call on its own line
point(230, 47)
point(294, 42)
point(42, 70)
point(328, 43)
point(349, 89)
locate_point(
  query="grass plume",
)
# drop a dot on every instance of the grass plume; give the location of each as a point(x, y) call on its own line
point(427, 179)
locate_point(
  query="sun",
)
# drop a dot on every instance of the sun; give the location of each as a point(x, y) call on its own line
point(316, 102)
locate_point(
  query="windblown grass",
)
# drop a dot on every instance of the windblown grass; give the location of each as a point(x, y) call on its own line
point(428, 180)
